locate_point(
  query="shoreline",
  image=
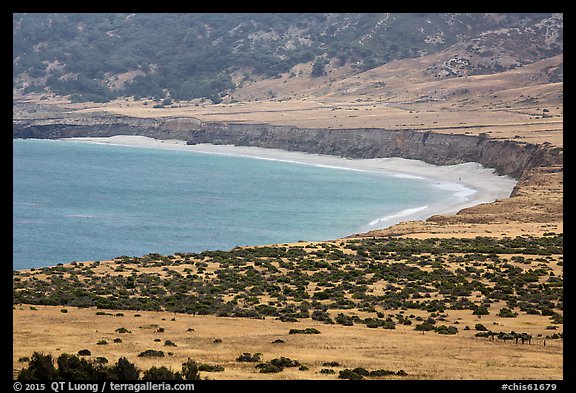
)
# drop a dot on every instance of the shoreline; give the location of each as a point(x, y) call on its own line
point(471, 183)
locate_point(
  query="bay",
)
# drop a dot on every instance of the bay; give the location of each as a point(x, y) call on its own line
point(83, 201)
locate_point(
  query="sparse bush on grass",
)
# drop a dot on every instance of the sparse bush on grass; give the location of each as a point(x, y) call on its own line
point(424, 327)
point(268, 368)
point(361, 371)
point(248, 357)
point(285, 362)
point(151, 353)
point(507, 313)
point(349, 374)
point(304, 331)
point(161, 373)
point(190, 370)
point(480, 310)
point(70, 367)
point(381, 373)
point(443, 329)
point(276, 365)
point(210, 368)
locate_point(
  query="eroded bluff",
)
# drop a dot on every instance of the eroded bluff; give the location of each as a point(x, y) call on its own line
point(506, 157)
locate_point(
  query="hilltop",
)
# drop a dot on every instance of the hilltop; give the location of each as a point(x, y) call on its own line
point(235, 57)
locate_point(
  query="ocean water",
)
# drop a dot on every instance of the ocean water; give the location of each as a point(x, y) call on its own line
point(76, 201)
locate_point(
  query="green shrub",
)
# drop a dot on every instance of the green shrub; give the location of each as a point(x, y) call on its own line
point(361, 371)
point(284, 362)
point(269, 368)
point(151, 353)
point(304, 331)
point(248, 357)
point(507, 313)
point(70, 367)
point(161, 374)
point(381, 373)
point(424, 327)
point(40, 367)
point(349, 374)
point(443, 329)
point(209, 368)
point(190, 370)
point(480, 310)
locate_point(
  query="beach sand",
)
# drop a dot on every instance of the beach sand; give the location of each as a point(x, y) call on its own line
point(471, 183)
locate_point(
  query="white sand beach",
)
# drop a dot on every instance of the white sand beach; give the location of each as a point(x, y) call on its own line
point(471, 183)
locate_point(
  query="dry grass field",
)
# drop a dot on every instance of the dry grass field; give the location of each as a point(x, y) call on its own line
point(422, 355)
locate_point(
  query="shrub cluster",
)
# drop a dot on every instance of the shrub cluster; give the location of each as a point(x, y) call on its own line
point(304, 331)
point(278, 364)
point(360, 373)
point(73, 368)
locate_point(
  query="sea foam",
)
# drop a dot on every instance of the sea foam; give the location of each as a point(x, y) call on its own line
point(400, 214)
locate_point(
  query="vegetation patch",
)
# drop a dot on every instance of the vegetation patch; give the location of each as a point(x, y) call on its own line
point(329, 282)
point(70, 367)
point(248, 357)
point(151, 353)
point(276, 365)
point(360, 373)
point(304, 331)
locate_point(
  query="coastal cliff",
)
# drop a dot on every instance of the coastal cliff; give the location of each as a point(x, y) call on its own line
point(507, 157)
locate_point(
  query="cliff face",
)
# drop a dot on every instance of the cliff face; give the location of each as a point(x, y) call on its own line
point(506, 157)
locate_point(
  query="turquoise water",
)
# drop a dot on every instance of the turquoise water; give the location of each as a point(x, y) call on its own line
point(80, 201)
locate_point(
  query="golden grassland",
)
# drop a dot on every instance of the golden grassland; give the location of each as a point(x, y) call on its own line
point(422, 355)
